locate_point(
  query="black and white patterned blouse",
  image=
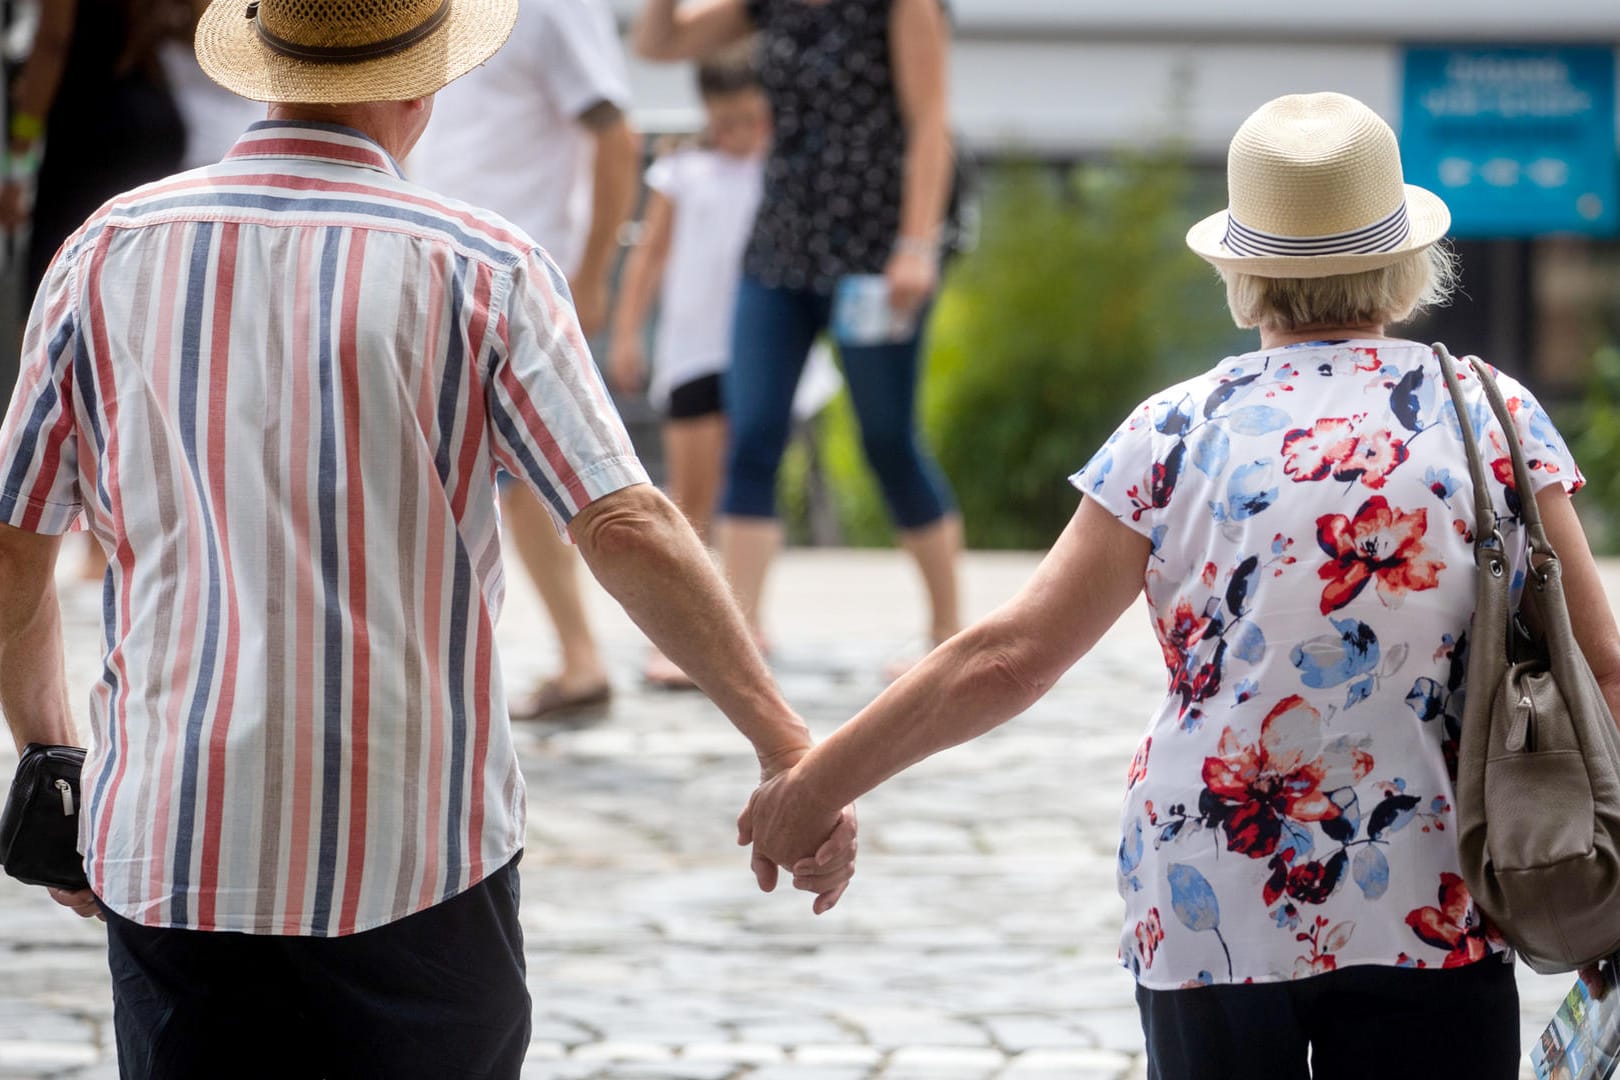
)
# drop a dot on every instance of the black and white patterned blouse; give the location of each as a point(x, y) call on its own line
point(833, 182)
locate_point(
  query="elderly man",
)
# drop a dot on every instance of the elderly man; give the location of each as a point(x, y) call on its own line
point(278, 389)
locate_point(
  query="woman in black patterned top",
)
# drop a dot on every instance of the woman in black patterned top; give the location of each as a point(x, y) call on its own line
point(857, 184)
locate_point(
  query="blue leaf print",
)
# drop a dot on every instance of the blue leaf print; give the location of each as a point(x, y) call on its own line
point(1156, 538)
point(1173, 419)
point(1330, 660)
point(1247, 491)
point(1251, 644)
point(1371, 872)
point(1440, 482)
point(1212, 451)
point(1193, 899)
point(1477, 414)
point(1392, 815)
point(1241, 585)
point(1426, 698)
point(1098, 468)
point(1230, 390)
point(1359, 691)
point(1410, 399)
point(1130, 855)
point(1258, 420)
point(1296, 844)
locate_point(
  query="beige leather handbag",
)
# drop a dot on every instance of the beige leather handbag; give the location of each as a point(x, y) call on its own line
point(1538, 773)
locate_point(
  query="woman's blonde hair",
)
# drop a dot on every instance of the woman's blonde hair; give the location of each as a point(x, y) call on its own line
point(1390, 294)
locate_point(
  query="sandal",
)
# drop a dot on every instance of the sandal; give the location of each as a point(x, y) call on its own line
point(552, 704)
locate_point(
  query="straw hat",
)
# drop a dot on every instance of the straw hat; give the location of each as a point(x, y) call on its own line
point(1315, 186)
point(334, 52)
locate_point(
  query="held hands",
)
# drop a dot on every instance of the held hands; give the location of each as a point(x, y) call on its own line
point(789, 829)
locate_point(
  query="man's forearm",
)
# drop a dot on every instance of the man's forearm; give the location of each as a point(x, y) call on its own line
point(33, 678)
point(640, 547)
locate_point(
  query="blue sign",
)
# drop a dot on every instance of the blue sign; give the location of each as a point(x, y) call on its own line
point(1517, 141)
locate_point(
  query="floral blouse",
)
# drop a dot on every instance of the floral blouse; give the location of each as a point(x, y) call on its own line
point(1289, 810)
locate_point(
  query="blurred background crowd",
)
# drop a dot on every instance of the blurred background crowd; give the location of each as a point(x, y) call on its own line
point(1087, 137)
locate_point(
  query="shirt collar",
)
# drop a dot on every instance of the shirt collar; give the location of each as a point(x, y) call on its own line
point(308, 140)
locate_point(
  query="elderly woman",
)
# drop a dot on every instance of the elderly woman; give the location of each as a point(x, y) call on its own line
point(1297, 518)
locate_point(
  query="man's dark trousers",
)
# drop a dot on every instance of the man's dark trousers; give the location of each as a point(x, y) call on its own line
point(438, 994)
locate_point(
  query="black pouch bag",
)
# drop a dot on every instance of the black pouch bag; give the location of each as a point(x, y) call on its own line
point(39, 829)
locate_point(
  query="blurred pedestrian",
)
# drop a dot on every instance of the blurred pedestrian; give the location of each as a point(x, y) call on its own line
point(213, 116)
point(857, 185)
point(700, 210)
point(1297, 518)
point(540, 134)
point(91, 115)
point(279, 389)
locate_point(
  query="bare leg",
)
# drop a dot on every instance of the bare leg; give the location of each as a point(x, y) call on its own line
point(554, 566)
point(695, 452)
point(747, 546)
point(937, 549)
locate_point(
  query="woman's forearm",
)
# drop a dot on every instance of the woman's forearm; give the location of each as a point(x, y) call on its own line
point(973, 683)
point(929, 170)
point(667, 30)
point(919, 48)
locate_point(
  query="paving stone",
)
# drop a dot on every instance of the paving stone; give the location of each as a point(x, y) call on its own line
point(945, 1059)
point(738, 1053)
point(845, 1054)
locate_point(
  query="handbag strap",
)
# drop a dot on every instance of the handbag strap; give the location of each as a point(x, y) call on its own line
point(1489, 550)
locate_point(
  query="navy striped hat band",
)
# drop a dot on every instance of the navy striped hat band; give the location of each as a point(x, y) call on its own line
point(1386, 235)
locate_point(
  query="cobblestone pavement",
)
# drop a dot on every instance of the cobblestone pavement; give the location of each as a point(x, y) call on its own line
point(978, 941)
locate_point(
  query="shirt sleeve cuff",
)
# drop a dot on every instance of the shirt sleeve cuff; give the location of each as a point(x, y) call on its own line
point(603, 479)
point(39, 515)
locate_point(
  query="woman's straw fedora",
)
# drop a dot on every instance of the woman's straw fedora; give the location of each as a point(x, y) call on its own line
point(1315, 186)
point(333, 52)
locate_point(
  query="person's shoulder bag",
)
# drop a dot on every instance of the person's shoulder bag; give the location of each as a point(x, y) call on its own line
point(39, 828)
point(1538, 773)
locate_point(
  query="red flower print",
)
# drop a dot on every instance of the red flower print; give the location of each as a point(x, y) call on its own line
point(1178, 636)
point(1338, 447)
point(1139, 764)
point(1380, 545)
point(1149, 933)
point(1251, 790)
point(1321, 959)
point(1311, 453)
point(1450, 926)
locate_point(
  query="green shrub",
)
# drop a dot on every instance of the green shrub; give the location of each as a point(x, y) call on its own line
point(1593, 430)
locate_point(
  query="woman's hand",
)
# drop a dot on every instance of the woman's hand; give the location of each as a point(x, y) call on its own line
point(912, 277)
point(787, 828)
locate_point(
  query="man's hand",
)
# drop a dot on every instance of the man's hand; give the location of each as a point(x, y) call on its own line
point(83, 902)
point(786, 829)
point(590, 302)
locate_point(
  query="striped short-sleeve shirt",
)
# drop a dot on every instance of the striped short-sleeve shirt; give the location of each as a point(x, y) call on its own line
point(278, 390)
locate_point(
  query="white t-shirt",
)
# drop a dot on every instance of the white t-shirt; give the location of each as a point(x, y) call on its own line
point(507, 136)
point(715, 197)
point(214, 117)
